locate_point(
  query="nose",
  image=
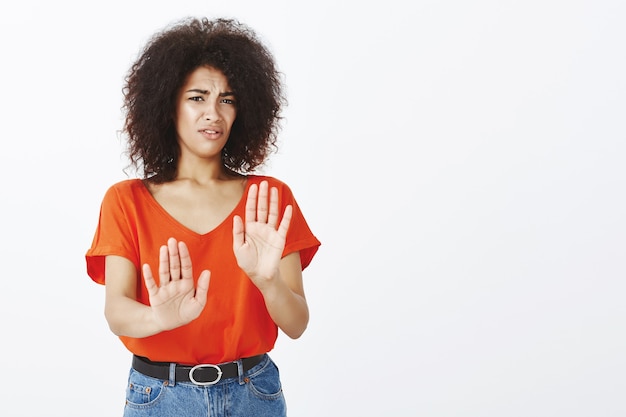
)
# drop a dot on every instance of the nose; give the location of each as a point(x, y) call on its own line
point(211, 112)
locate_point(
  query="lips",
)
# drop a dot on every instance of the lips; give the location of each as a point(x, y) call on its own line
point(211, 133)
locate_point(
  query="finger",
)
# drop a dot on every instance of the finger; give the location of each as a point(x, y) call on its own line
point(272, 220)
point(284, 223)
point(251, 204)
point(261, 209)
point(164, 265)
point(238, 233)
point(149, 280)
point(186, 269)
point(202, 289)
point(174, 271)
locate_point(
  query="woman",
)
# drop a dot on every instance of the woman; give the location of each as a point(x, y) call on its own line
point(202, 106)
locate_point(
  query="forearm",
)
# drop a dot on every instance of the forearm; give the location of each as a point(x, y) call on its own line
point(288, 309)
point(127, 317)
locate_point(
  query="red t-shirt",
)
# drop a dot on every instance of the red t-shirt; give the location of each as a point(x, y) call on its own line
point(235, 322)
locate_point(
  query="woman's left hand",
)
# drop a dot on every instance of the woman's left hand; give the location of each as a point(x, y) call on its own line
point(258, 243)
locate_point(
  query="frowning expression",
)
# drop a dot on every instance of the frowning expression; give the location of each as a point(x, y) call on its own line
point(205, 112)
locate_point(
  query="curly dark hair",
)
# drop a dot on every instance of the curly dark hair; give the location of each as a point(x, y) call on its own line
point(153, 81)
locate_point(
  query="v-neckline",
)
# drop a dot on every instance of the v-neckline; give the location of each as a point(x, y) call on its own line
point(241, 203)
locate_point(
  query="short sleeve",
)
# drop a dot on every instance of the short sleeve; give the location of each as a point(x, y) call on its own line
point(299, 237)
point(114, 234)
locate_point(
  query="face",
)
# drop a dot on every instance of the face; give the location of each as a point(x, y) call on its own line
point(205, 112)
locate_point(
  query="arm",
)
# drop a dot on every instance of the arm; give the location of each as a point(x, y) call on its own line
point(125, 315)
point(258, 247)
point(284, 297)
point(173, 303)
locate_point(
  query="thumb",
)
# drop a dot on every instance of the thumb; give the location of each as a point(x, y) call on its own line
point(238, 232)
point(149, 280)
point(202, 288)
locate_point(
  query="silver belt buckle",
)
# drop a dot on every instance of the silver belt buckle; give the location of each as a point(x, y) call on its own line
point(205, 365)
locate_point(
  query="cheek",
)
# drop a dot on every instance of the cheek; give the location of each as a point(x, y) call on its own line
point(233, 116)
point(185, 116)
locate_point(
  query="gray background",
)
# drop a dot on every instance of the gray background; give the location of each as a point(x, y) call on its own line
point(461, 161)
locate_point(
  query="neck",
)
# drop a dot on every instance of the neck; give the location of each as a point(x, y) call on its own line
point(204, 173)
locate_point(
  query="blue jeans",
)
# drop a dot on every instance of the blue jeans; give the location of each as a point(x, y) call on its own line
point(257, 392)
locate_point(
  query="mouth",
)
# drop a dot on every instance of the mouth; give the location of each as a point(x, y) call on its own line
point(211, 134)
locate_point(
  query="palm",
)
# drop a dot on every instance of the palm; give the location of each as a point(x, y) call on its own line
point(258, 244)
point(176, 301)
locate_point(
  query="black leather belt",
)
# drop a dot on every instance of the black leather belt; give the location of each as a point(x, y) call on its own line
point(203, 374)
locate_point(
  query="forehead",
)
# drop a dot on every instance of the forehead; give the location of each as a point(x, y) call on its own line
point(208, 78)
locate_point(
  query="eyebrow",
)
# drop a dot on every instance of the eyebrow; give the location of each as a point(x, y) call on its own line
point(197, 90)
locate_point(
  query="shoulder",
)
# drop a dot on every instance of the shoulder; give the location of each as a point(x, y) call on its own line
point(125, 189)
point(286, 195)
point(272, 181)
point(126, 186)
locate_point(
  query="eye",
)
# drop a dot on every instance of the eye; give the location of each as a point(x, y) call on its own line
point(196, 98)
point(227, 101)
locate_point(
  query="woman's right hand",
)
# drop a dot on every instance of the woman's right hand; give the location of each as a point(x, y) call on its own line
point(175, 301)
